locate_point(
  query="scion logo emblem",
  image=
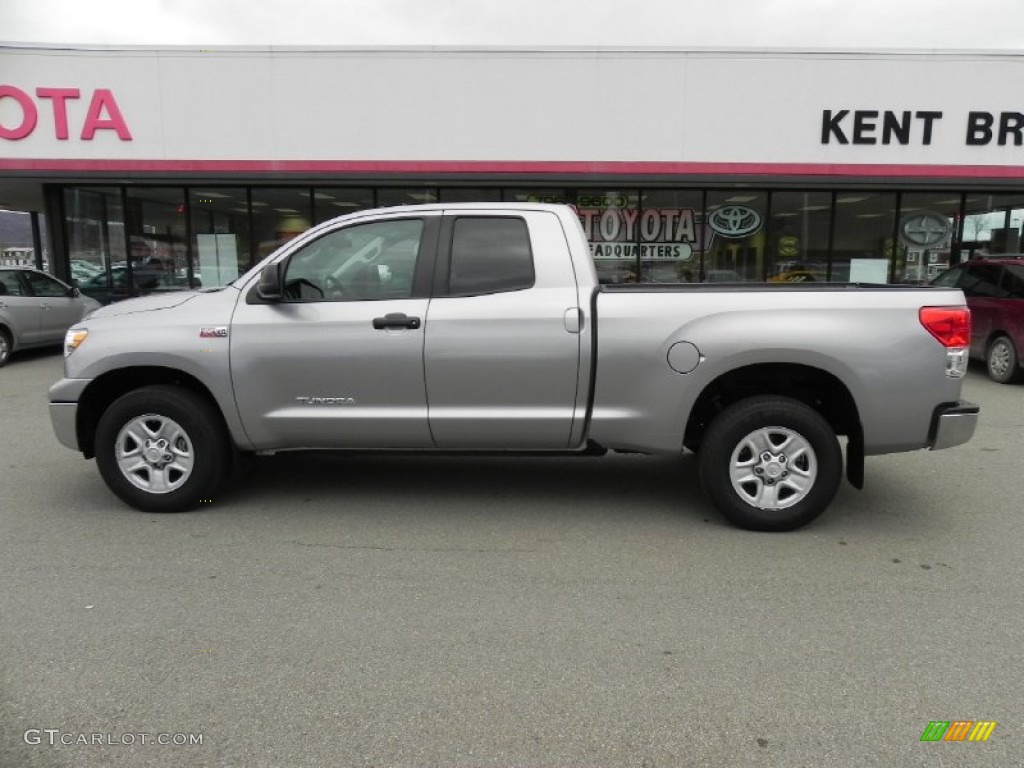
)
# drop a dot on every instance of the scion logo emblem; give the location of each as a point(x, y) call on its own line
point(926, 228)
point(735, 221)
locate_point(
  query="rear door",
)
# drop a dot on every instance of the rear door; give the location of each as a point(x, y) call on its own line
point(502, 354)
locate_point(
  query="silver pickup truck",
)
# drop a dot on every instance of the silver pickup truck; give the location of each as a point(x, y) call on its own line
point(464, 328)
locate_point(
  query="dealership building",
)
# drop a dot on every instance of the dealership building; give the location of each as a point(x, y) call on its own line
point(683, 165)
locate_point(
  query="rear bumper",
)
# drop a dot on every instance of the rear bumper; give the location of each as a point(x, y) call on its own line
point(952, 424)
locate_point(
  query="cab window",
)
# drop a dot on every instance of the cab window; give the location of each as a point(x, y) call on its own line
point(490, 255)
point(365, 262)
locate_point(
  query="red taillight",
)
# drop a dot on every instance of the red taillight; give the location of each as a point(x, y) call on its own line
point(950, 325)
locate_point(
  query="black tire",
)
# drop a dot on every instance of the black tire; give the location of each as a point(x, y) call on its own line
point(1002, 361)
point(184, 470)
point(770, 463)
point(5, 346)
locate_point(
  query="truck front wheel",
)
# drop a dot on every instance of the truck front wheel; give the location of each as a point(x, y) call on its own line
point(770, 463)
point(162, 449)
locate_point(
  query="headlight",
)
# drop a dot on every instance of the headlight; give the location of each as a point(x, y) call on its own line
point(73, 338)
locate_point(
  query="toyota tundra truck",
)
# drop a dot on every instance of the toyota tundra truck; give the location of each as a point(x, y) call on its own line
point(483, 328)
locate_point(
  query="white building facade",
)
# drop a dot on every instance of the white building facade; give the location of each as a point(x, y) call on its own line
point(683, 165)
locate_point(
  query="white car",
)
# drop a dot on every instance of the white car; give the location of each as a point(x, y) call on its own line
point(36, 310)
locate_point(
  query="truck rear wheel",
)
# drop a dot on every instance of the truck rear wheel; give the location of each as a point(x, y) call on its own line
point(770, 463)
point(162, 449)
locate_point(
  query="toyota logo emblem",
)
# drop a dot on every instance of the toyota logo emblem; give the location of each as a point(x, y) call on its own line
point(735, 221)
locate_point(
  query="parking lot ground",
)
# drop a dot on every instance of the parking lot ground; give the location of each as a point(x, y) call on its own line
point(396, 611)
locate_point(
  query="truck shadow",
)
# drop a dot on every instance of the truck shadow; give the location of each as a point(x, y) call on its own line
point(613, 485)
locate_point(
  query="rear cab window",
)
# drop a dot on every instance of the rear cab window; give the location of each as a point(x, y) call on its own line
point(490, 254)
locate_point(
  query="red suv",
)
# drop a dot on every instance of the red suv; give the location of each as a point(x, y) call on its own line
point(994, 287)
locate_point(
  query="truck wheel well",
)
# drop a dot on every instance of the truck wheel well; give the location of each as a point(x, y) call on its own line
point(816, 388)
point(105, 389)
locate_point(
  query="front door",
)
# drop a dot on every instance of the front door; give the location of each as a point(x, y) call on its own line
point(339, 362)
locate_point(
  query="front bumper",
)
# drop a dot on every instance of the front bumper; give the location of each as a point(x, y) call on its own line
point(64, 417)
point(64, 397)
point(953, 424)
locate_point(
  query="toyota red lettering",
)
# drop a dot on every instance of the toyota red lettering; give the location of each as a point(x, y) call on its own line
point(19, 114)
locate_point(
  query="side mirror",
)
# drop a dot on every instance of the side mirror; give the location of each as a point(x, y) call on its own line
point(270, 288)
point(75, 292)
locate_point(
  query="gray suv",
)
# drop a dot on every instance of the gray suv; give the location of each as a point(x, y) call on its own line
point(36, 309)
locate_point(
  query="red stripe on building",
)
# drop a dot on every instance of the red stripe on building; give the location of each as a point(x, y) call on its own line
point(544, 168)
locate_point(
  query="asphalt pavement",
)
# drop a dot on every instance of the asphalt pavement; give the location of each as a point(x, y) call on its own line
point(463, 612)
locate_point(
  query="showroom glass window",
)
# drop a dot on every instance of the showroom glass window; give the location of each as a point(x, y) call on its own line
point(610, 219)
point(157, 245)
point(863, 248)
point(672, 236)
point(220, 234)
point(278, 215)
point(536, 195)
point(798, 236)
point(388, 196)
point(470, 195)
point(927, 234)
point(992, 225)
point(94, 217)
point(737, 251)
point(331, 202)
